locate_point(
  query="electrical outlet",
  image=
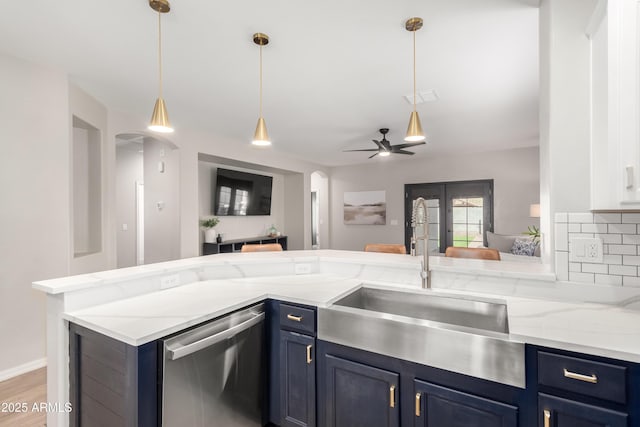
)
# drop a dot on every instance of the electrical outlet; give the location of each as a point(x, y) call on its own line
point(170, 281)
point(303, 268)
point(586, 250)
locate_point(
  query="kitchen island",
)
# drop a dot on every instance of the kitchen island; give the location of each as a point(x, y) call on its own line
point(139, 305)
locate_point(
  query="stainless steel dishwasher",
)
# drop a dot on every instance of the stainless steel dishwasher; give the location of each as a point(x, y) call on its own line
point(215, 375)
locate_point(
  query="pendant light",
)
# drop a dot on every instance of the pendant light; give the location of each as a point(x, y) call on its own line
point(260, 137)
point(160, 118)
point(414, 130)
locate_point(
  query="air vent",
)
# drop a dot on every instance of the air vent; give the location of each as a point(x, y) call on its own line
point(422, 97)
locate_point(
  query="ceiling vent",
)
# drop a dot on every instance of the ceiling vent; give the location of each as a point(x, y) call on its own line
point(422, 97)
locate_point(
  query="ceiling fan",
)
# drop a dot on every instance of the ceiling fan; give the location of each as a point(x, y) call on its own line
point(385, 148)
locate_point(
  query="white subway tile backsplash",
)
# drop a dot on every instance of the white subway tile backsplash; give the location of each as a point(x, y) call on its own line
point(623, 270)
point(612, 259)
point(562, 266)
point(561, 237)
point(575, 266)
point(562, 217)
point(607, 218)
point(582, 277)
point(615, 239)
point(580, 236)
point(622, 228)
point(633, 218)
point(574, 228)
point(581, 217)
point(630, 281)
point(631, 239)
point(594, 228)
point(595, 268)
point(630, 260)
point(622, 249)
point(620, 234)
point(605, 279)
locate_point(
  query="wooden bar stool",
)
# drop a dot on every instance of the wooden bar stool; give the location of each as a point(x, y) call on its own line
point(268, 247)
point(386, 248)
point(475, 253)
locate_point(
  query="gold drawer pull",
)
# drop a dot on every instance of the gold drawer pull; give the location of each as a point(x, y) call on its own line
point(547, 418)
point(294, 318)
point(586, 378)
point(418, 395)
point(309, 354)
point(392, 396)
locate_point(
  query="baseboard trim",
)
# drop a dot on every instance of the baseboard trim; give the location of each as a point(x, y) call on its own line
point(22, 369)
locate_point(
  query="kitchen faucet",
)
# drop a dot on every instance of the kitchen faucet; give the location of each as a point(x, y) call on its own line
point(424, 221)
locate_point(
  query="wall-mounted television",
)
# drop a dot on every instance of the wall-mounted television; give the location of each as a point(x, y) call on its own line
point(241, 193)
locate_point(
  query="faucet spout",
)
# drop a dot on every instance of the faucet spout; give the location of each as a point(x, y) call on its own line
point(423, 220)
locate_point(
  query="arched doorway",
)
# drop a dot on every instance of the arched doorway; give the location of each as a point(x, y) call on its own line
point(147, 199)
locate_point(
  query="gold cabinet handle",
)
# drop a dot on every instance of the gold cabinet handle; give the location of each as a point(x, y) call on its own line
point(392, 396)
point(547, 418)
point(309, 354)
point(294, 318)
point(586, 378)
point(418, 395)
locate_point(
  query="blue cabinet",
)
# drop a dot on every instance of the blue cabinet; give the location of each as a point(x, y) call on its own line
point(297, 380)
point(359, 395)
point(441, 406)
point(559, 412)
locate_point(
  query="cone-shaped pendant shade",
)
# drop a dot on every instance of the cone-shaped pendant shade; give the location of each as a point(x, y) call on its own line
point(414, 131)
point(160, 118)
point(261, 137)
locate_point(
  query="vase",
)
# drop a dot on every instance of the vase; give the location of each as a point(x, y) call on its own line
point(210, 235)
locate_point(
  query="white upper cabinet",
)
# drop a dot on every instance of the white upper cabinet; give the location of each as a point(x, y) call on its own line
point(614, 35)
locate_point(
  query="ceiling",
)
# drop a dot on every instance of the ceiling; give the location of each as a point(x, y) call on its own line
point(334, 72)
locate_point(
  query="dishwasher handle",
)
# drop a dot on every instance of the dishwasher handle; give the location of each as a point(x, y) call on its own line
point(175, 354)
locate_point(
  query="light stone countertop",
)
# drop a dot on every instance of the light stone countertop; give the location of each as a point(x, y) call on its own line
point(598, 329)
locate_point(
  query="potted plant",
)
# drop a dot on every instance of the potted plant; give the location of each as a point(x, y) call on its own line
point(209, 231)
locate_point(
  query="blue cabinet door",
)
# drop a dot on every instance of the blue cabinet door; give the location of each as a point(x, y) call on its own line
point(437, 406)
point(297, 380)
point(360, 395)
point(558, 412)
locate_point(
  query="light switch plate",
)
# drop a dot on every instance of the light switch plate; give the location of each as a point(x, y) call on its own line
point(586, 250)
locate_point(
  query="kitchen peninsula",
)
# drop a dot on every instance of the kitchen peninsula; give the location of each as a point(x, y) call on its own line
point(137, 306)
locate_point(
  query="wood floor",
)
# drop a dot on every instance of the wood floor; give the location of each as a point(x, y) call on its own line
point(23, 390)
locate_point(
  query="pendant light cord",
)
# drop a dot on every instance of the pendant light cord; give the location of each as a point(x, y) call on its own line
point(260, 80)
point(414, 70)
point(160, 54)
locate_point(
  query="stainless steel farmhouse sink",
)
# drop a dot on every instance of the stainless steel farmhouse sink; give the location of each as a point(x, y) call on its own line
point(459, 334)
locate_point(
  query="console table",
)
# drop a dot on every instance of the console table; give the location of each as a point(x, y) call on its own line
point(236, 244)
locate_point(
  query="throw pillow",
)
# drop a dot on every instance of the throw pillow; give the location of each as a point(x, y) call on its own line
point(524, 247)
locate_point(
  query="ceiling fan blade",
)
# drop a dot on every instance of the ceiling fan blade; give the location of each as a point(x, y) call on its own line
point(366, 149)
point(408, 144)
point(403, 152)
point(373, 155)
point(380, 144)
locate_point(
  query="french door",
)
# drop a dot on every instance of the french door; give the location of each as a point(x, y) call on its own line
point(460, 213)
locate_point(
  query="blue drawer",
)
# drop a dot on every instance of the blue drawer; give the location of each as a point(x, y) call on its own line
point(298, 319)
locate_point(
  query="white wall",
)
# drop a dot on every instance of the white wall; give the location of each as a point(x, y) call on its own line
point(89, 110)
point(237, 227)
point(161, 202)
point(34, 203)
point(129, 161)
point(564, 110)
point(516, 186)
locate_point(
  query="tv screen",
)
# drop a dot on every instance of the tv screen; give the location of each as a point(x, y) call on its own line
point(241, 193)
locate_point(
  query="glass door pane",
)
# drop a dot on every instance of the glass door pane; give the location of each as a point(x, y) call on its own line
point(467, 222)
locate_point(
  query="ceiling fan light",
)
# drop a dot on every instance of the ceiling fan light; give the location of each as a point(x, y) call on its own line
point(261, 137)
point(384, 154)
point(160, 118)
point(414, 130)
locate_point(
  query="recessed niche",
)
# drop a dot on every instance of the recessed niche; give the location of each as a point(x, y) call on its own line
point(86, 188)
